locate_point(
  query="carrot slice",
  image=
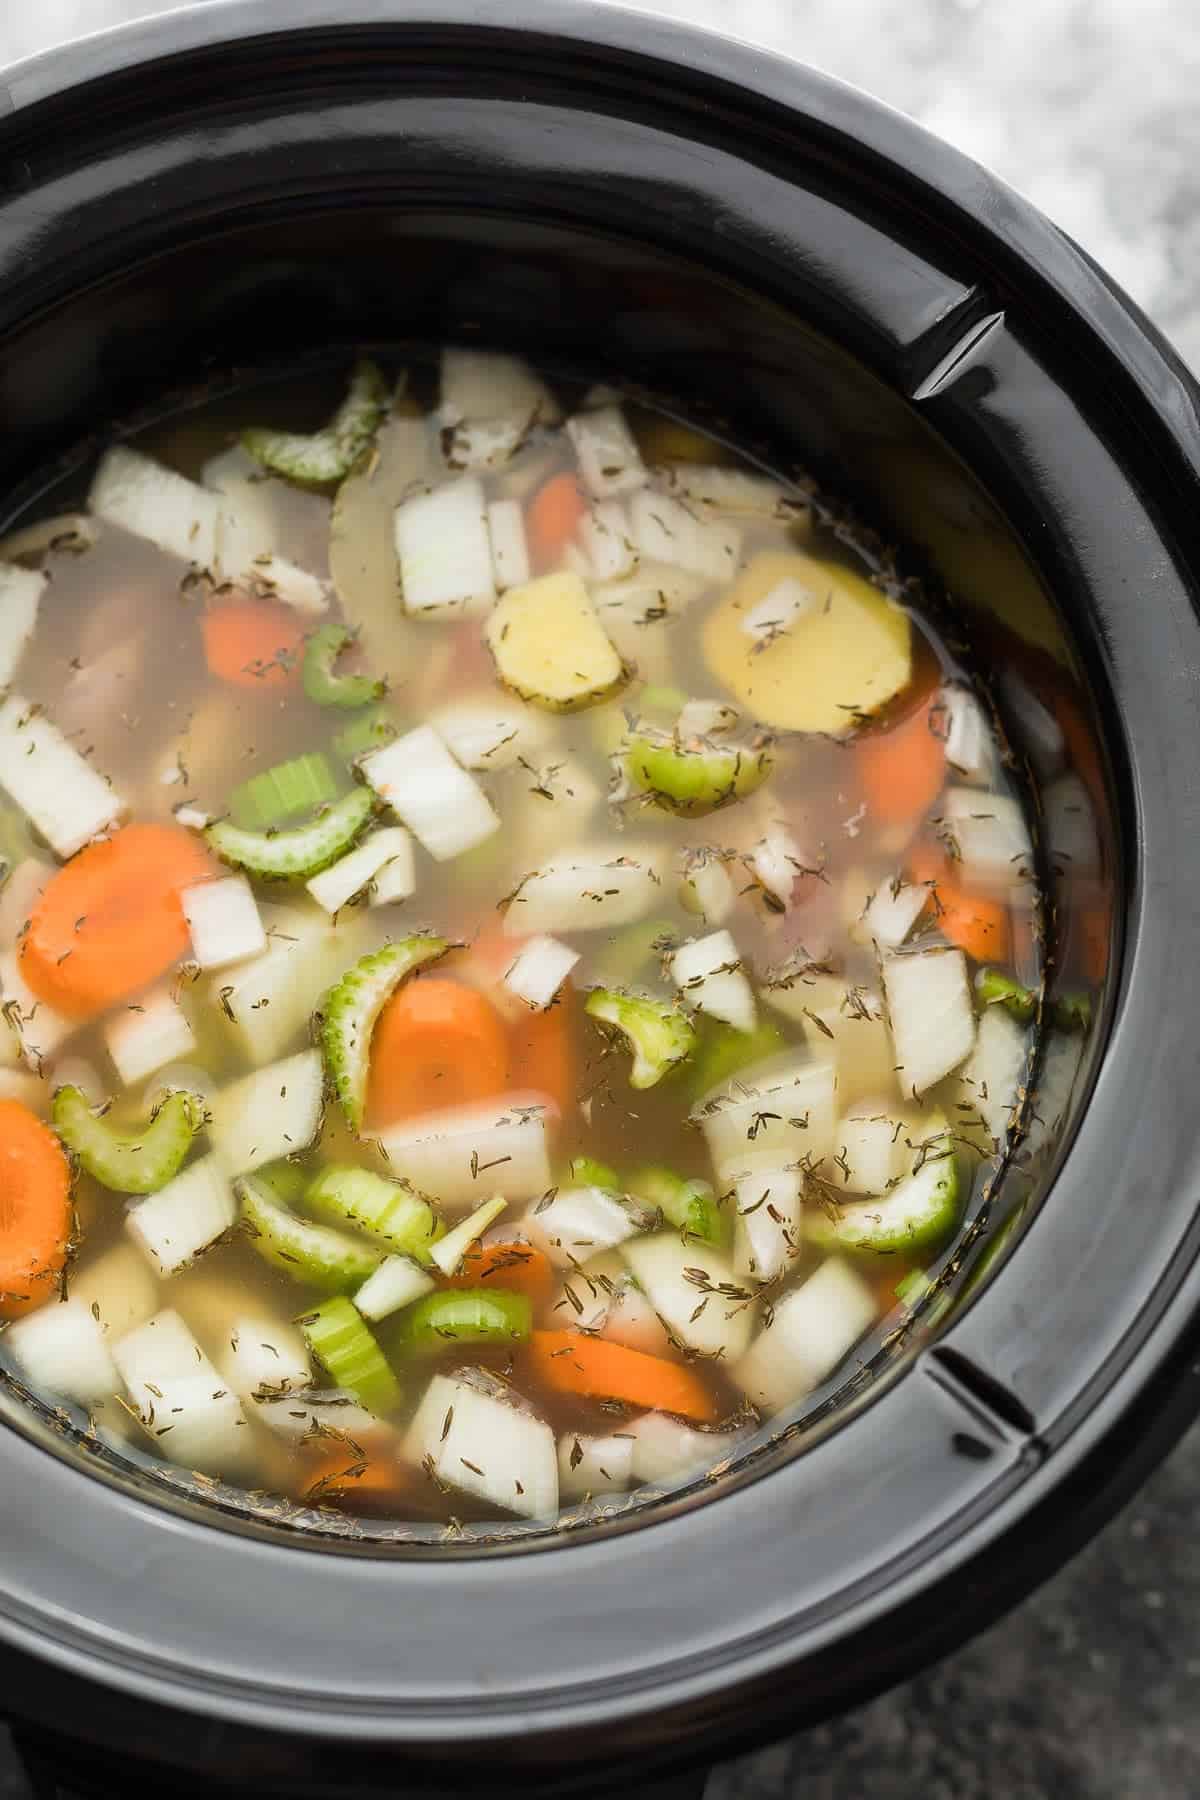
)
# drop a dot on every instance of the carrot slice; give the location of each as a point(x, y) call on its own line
point(540, 1044)
point(374, 1483)
point(437, 1043)
point(110, 921)
point(253, 642)
point(35, 1210)
point(901, 770)
point(597, 1370)
point(977, 925)
point(518, 1268)
point(553, 518)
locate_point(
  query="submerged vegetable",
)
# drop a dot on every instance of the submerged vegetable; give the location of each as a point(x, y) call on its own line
point(550, 647)
point(35, 1226)
point(332, 1261)
point(440, 1322)
point(693, 775)
point(300, 852)
point(352, 1008)
point(283, 793)
point(659, 1033)
point(691, 1206)
point(326, 455)
point(322, 682)
point(339, 1336)
point(385, 1210)
point(129, 1162)
point(995, 988)
point(916, 1214)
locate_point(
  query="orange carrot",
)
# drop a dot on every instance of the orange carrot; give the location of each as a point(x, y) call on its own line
point(438, 1043)
point(35, 1210)
point(977, 925)
point(901, 770)
point(540, 1044)
point(518, 1268)
point(1090, 943)
point(373, 1483)
point(253, 642)
point(553, 519)
point(110, 920)
point(595, 1369)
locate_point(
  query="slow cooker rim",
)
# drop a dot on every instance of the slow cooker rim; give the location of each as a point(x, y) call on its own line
point(1065, 267)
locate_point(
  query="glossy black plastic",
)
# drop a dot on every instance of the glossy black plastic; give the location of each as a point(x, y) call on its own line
point(780, 254)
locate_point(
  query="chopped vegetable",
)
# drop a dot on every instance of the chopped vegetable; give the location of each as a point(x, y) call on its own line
point(66, 799)
point(991, 837)
point(33, 1031)
point(902, 768)
point(691, 775)
point(301, 852)
point(449, 1251)
point(21, 593)
point(445, 553)
point(223, 920)
point(659, 1032)
point(128, 1162)
point(352, 1009)
point(370, 731)
point(969, 748)
point(396, 1283)
point(691, 1206)
point(778, 865)
point(552, 519)
point(605, 541)
point(253, 643)
point(539, 970)
point(35, 1224)
point(724, 1049)
point(993, 1077)
point(264, 1357)
point(769, 1116)
point(491, 733)
point(308, 1415)
point(340, 1338)
point(170, 1379)
point(995, 988)
point(550, 646)
point(609, 459)
point(977, 925)
point(665, 530)
point(809, 1332)
point(705, 887)
point(593, 1465)
point(874, 1147)
point(510, 550)
point(332, 1261)
point(117, 1288)
point(573, 1364)
point(575, 1223)
point(152, 502)
point(830, 667)
point(665, 1449)
point(185, 1216)
point(678, 1276)
point(512, 1265)
point(731, 490)
point(779, 609)
point(322, 682)
point(264, 1006)
point(932, 1018)
point(915, 1215)
point(437, 1043)
point(585, 890)
point(467, 1437)
point(387, 1211)
point(892, 912)
point(62, 1349)
point(111, 922)
point(708, 973)
point(382, 865)
point(766, 1235)
point(272, 1113)
point(286, 792)
point(328, 454)
point(468, 1316)
point(462, 1154)
point(443, 806)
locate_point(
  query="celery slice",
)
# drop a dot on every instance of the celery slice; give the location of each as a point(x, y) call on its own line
point(368, 732)
point(995, 988)
point(288, 791)
point(338, 1336)
point(585, 1171)
point(128, 1162)
point(299, 853)
point(329, 454)
point(314, 1255)
point(690, 1206)
point(660, 1033)
point(445, 1320)
point(387, 1210)
point(722, 1051)
point(323, 684)
point(352, 1007)
point(631, 951)
point(692, 776)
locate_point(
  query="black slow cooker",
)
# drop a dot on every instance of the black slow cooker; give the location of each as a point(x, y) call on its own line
point(773, 253)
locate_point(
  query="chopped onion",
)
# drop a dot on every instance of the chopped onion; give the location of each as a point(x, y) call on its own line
point(510, 552)
point(777, 863)
point(539, 970)
point(767, 1223)
point(873, 1147)
point(315, 1412)
point(397, 1282)
point(609, 459)
point(593, 1465)
point(21, 592)
point(61, 1349)
point(31, 1030)
point(488, 384)
point(994, 1073)
point(465, 1154)
point(449, 1251)
point(357, 873)
point(809, 1332)
point(68, 801)
point(708, 973)
point(970, 748)
point(664, 530)
point(892, 912)
point(445, 552)
point(604, 535)
point(677, 1276)
point(730, 490)
point(183, 1218)
point(777, 1113)
point(932, 1017)
point(486, 1447)
point(268, 1114)
point(444, 807)
point(584, 891)
point(665, 1449)
point(143, 497)
point(491, 731)
point(991, 834)
point(779, 609)
point(1039, 731)
point(706, 888)
point(581, 1222)
point(265, 1356)
point(223, 919)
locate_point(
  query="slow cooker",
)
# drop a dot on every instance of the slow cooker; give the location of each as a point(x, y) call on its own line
point(779, 256)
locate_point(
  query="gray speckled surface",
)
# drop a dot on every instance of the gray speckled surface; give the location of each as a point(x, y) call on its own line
point(1092, 1688)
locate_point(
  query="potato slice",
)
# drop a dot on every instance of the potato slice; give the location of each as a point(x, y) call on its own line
point(846, 657)
point(550, 647)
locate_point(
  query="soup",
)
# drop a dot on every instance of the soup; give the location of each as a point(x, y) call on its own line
point(516, 943)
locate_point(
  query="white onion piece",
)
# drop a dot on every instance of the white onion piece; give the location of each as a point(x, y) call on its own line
point(465, 1154)
point(777, 1113)
point(539, 970)
point(593, 1465)
point(484, 1446)
point(665, 1449)
point(268, 1114)
point(811, 1329)
point(358, 872)
point(932, 1016)
point(779, 609)
point(510, 551)
point(604, 537)
point(68, 801)
point(584, 891)
point(21, 592)
point(444, 807)
point(991, 834)
point(708, 973)
point(223, 920)
point(143, 497)
point(1039, 732)
point(766, 1233)
point(445, 552)
point(993, 1074)
point(61, 1349)
point(664, 530)
point(970, 746)
point(609, 459)
point(183, 1218)
point(892, 912)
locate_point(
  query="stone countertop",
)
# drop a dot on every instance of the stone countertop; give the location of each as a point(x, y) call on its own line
point(1090, 1689)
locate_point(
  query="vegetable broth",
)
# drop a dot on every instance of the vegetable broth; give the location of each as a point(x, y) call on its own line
point(730, 956)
